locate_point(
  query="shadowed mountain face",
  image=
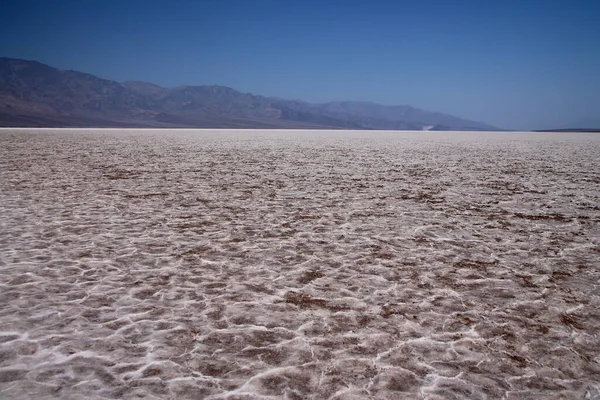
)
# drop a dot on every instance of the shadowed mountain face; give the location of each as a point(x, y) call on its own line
point(34, 94)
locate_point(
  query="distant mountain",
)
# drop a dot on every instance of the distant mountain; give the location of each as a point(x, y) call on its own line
point(591, 124)
point(569, 130)
point(376, 116)
point(37, 95)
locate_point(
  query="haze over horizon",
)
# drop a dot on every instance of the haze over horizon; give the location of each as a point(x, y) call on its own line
point(516, 65)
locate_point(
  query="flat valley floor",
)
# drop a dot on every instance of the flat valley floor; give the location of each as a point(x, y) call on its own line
point(299, 265)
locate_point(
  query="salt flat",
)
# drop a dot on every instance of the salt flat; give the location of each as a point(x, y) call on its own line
point(299, 264)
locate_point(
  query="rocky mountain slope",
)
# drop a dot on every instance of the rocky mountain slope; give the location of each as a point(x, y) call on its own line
point(35, 94)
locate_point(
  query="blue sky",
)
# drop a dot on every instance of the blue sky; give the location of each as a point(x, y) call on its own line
point(515, 64)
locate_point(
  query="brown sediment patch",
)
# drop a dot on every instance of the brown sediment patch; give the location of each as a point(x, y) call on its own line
point(310, 276)
point(145, 195)
point(543, 217)
point(571, 320)
point(304, 300)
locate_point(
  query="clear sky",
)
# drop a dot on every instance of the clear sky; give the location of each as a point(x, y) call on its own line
point(517, 64)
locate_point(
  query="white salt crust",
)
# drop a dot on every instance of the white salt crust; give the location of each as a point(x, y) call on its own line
point(299, 265)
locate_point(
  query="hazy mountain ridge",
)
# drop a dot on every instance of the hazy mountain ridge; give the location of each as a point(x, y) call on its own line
point(35, 94)
point(566, 130)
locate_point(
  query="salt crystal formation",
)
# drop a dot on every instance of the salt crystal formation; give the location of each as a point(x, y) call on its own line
point(299, 264)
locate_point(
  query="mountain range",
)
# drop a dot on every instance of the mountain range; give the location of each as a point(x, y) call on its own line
point(33, 94)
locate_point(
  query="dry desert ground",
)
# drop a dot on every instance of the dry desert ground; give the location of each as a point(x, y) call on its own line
point(299, 265)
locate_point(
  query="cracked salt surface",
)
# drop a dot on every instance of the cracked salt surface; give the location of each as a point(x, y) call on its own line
point(299, 264)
